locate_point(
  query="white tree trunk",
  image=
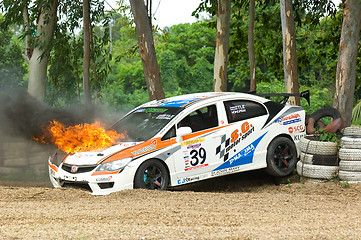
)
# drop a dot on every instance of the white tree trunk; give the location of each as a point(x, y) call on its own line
point(346, 64)
point(222, 43)
point(38, 61)
point(289, 50)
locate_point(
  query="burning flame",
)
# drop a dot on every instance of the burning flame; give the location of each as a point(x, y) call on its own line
point(80, 138)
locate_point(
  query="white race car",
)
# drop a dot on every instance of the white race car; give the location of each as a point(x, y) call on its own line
point(186, 139)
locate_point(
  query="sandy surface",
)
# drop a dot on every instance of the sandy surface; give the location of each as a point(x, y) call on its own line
point(222, 208)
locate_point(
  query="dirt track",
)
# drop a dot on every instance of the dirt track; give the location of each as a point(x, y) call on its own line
point(222, 208)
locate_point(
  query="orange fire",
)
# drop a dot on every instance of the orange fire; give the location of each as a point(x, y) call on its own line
point(81, 137)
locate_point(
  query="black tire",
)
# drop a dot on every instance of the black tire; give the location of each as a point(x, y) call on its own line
point(323, 160)
point(281, 157)
point(152, 175)
point(314, 118)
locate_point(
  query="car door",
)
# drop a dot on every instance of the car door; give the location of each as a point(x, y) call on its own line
point(237, 149)
point(196, 154)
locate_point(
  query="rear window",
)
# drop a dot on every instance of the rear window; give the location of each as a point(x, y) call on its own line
point(238, 110)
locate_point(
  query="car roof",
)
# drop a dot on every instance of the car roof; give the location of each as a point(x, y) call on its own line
point(188, 99)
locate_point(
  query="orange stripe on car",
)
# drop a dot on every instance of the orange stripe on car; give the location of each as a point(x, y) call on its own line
point(151, 145)
point(103, 173)
point(52, 166)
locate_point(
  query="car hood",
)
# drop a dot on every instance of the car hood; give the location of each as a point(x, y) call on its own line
point(93, 157)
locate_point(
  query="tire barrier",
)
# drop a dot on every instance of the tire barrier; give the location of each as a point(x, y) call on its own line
point(351, 177)
point(323, 160)
point(350, 155)
point(352, 131)
point(317, 171)
point(308, 144)
point(334, 126)
point(351, 166)
point(318, 160)
point(351, 142)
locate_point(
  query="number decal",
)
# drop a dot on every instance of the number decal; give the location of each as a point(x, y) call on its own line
point(194, 156)
point(202, 155)
point(195, 153)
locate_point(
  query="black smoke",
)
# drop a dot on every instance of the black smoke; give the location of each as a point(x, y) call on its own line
point(22, 115)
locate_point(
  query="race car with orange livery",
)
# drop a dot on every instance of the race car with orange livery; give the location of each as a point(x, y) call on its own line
point(189, 138)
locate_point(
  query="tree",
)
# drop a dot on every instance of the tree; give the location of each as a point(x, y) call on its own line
point(86, 60)
point(222, 44)
point(289, 50)
point(39, 22)
point(147, 50)
point(252, 61)
point(52, 44)
point(346, 64)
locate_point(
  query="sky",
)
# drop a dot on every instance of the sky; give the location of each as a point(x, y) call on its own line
point(170, 12)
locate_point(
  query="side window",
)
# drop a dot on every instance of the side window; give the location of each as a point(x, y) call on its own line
point(201, 119)
point(238, 110)
point(170, 134)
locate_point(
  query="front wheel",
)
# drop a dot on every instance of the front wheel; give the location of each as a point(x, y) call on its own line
point(281, 157)
point(152, 175)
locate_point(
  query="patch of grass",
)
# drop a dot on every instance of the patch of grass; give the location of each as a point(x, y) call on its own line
point(345, 184)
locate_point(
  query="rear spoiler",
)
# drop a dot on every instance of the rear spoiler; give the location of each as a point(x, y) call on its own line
point(304, 94)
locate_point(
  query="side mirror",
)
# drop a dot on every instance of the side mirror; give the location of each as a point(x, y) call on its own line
point(183, 131)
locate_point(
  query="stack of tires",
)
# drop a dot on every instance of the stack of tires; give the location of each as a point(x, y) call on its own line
point(350, 155)
point(318, 160)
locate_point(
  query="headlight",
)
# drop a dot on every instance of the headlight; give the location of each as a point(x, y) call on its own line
point(114, 166)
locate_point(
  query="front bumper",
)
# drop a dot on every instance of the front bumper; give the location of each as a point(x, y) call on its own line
point(98, 184)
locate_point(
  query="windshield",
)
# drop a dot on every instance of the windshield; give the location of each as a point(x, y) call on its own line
point(144, 123)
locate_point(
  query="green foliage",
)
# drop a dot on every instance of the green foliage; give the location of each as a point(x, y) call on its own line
point(345, 184)
point(66, 62)
point(319, 97)
point(317, 46)
point(324, 136)
point(12, 66)
point(356, 114)
point(185, 53)
point(65, 69)
point(66, 55)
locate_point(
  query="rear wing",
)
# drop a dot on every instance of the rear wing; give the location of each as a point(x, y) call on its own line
point(304, 94)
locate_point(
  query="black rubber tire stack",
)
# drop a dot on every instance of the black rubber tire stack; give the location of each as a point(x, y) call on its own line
point(350, 155)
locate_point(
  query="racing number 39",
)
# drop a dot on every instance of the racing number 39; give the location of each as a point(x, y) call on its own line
point(196, 154)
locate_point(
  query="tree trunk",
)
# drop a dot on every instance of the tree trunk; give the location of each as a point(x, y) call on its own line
point(252, 61)
point(289, 50)
point(147, 50)
point(38, 58)
point(86, 61)
point(222, 43)
point(346, 64)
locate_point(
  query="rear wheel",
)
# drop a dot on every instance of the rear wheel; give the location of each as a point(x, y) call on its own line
point(281, 157)
point(152, 175)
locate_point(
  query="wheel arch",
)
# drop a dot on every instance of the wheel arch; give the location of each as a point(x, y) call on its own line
point(290, 138)
point(282, 135)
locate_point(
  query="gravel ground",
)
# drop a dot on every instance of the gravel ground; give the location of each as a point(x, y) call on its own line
point(222, 208)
